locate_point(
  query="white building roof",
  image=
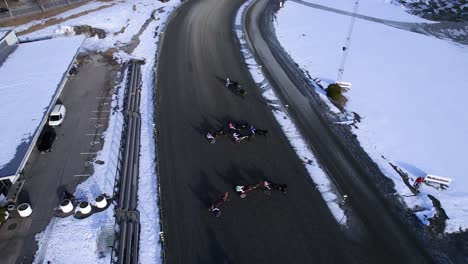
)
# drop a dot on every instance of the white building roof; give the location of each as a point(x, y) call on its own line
point(29, 80)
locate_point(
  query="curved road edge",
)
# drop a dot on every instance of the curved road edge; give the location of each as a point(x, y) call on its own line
point(159, 44)
point(337, 150)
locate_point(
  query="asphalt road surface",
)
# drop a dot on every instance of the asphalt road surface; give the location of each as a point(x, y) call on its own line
point(198, 52)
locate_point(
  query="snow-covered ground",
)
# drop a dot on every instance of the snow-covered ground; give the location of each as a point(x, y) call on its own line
point(25, 82)
point(150, 248)
point(323, 184)
point(68, 240)
point(408, 88)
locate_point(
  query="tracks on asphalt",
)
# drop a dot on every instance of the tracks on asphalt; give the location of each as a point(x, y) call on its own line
point(127, 214)
point(198, 52)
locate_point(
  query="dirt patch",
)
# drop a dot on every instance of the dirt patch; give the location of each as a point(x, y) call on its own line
point(339, 102)
point(129, 48)
point(108, 56)
point(54, 21)
point(89, 31)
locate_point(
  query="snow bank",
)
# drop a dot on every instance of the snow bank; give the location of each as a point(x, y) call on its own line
point(408, 88)
point(321, 180)
point(150, 247)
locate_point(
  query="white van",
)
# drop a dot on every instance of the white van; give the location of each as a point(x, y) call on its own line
point(57, 115)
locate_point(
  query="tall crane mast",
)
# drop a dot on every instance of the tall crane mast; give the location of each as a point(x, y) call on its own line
point(348, 42)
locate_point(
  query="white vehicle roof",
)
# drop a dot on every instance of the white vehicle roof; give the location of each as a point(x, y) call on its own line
point(56, 109)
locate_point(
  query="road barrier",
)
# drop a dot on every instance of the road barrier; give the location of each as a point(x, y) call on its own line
point(125, 248)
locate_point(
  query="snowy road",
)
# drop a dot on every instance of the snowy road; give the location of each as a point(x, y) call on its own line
point(198, 52)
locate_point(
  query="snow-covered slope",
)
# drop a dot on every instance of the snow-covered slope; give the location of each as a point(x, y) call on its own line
point(408, 88)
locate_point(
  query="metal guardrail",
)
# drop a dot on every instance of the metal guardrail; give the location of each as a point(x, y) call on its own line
point(125, 249)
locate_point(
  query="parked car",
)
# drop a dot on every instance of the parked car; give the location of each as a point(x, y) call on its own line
point(57, 115)
point(3, 10)
point(46, 139)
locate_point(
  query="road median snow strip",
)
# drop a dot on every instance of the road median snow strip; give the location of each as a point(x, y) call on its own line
point(148, 195)
point(322, 182)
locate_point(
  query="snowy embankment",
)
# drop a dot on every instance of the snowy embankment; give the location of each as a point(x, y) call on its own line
point(303, 151)
point(150, 247)
point(408, 88)
point(68, 240)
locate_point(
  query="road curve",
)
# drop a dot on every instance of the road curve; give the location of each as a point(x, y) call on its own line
point(383, 228)
point(198, 51)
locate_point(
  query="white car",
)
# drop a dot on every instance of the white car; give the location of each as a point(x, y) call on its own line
point(57, 115)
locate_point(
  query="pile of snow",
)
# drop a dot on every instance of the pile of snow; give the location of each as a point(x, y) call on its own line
point(409, 89)
point(64, 31)
point(323, 184)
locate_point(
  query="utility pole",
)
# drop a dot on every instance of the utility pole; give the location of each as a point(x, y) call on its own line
point(348, 42)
